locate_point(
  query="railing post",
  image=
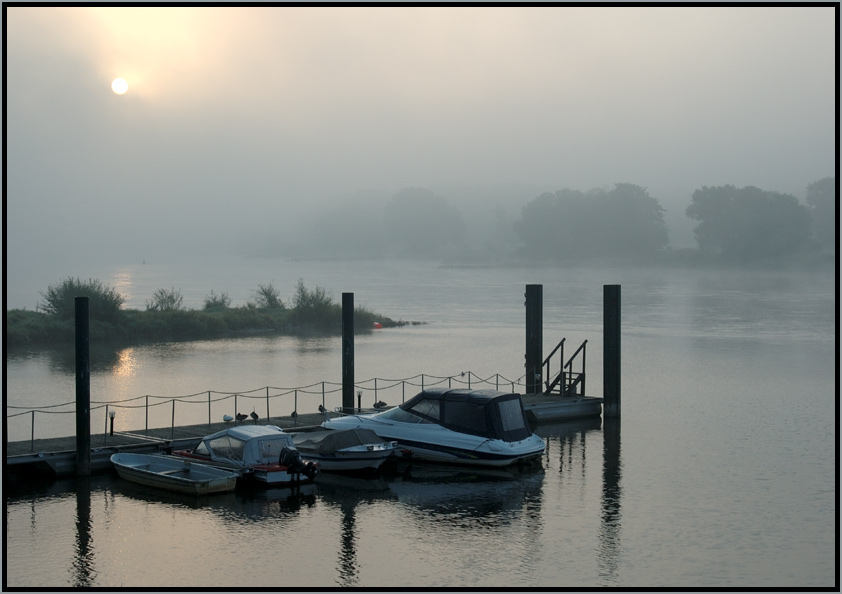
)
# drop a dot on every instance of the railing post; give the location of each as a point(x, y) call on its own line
point(106, 422)
point(209, 407)
point(172, 426)
point(146, 408)
point(32, 438)
point(323, 395)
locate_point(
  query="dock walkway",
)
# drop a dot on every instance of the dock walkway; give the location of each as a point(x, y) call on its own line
point(57, 455)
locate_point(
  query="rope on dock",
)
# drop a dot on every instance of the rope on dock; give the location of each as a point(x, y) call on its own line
point(466, 379)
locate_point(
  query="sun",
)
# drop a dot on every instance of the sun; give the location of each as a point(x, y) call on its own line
point(119, 86)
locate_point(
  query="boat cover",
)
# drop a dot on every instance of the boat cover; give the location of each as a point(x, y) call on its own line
point(246, 445)
point(326, 442)
point(487, 413)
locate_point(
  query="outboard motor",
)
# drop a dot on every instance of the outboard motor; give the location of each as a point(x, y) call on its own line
point(292, 460)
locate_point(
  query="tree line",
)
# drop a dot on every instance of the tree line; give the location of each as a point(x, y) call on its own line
point(625, 223)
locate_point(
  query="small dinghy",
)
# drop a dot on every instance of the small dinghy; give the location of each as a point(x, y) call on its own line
point(173, 474)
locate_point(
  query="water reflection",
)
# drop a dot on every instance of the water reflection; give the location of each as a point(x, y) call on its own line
point(84, 575)
point(571, 439)
point(346, 493)
point(609, 526)
point(127, 364)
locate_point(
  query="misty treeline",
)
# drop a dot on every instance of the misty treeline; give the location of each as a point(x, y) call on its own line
point(624, 224)
point(165, 318)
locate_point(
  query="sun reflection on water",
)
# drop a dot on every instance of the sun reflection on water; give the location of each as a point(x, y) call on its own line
point(127, 364)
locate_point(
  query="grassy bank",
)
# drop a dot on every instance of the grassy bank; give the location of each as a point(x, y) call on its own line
point(35, 329)
point(313, 312)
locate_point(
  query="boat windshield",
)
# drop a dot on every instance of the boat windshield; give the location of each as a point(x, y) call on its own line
point(514, 423)
point(227, 447)
point(399, 415)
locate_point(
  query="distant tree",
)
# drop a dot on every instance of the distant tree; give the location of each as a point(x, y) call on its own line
point(214, 301)
point(314, 309)
point(268, 297)
point(748, 224)
point(59, 300)
point(822, 198)
point(625, 221)
point(164, 300)
point(418, 223)
point(632, 221)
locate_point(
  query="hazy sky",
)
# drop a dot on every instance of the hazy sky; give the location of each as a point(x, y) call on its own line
point(237, 120)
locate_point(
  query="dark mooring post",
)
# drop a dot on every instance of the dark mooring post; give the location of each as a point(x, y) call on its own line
point(534, 338)
point(611, 350)
point(83, 390)
point(348, 353)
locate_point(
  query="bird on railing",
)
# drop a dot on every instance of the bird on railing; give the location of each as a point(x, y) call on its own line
point(254, 416)
point(227, 418)
point(241, 417)
point(380, 404)
point(322, 408)
point(294, 414)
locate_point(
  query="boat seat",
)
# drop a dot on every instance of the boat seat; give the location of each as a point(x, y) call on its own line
point(174, 471)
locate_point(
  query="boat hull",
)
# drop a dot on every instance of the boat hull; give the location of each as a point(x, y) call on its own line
point(275, 475)
point(437, 444)
point(174, 475)
point(349, 460)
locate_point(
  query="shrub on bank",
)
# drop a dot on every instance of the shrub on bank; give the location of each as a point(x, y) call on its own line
point(313, 311)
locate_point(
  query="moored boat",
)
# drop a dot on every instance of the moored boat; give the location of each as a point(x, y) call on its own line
point(173, 474)
point(468, 427)
point(263, 453)
point(348, 450)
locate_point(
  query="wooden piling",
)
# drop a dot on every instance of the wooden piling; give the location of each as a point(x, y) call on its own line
point(83, 389)
point(348, 353)
point(611, 350)
point(534, 338)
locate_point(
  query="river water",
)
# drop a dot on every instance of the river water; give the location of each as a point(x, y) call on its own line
point(722, 473)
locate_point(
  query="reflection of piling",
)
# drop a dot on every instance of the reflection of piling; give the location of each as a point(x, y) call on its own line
point(611, 350)
point(534, 338)
point(83, 390)
point(348, 353)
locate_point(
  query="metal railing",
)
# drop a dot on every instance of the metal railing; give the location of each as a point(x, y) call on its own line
point(273, 397)
point(567, 382)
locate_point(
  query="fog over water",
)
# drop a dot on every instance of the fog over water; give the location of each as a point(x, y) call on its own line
point(248, 129)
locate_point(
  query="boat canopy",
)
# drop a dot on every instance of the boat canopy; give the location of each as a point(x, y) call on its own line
point(327, 442)
point(245, 445)
point(486, 413)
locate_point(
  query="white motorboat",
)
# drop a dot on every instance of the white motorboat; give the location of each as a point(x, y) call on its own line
point(173, 474)
point(470, 427)
point(349, 450)
point(263, 453)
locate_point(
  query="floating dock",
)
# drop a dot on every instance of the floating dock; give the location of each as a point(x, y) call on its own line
point(56, 457)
